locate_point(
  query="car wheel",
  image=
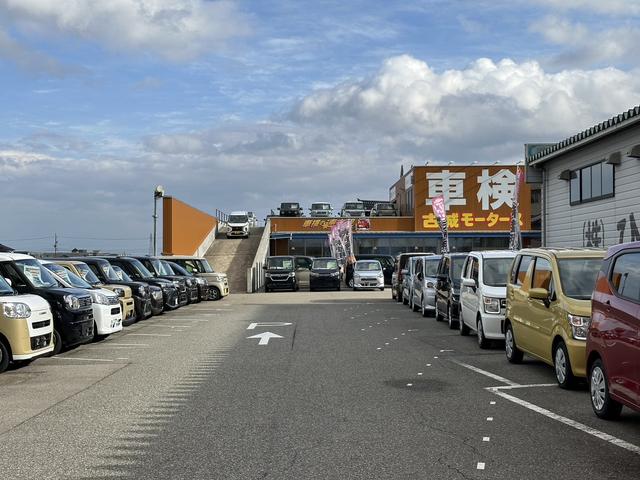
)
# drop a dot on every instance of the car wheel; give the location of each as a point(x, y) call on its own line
point(514, 354)
point(398, 297)
point(452, 323)
point(603, 405)
point(57, 343)
point(562, 366)
point(423, 310)
point(4, 357)
point(464, 330)
point(382, 289)
point(438, 316)
point(351, 282)
point(482, 340)
point(215, 294)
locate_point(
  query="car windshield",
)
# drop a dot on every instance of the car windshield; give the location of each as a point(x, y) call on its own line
point(285, 263)
point(140, 268)
point(495, 271)
point(431, 267)
point(167, 268)
point(289, 206)
point(110, 272)
point(37, 275)
point(120, 274)
point(158, 267)
point(86, 274)
point(320, 206)
point(368, 266)
point(69, 277)
point(204, 266)
point(325, 263)
point(578, 276)
point(177, 269)
point(238, 219)
point(385, 206)
point(5, 288)
point(354, 206)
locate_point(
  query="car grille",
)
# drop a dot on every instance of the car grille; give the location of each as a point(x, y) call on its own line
point(44, 323)
point(279, 278)
point(236, 229)
point(84, 302)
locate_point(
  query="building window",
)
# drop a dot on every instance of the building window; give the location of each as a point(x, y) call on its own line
point(591, 183)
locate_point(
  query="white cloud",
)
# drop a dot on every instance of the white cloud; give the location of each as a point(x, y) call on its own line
point(610, 7)
point(175, 29)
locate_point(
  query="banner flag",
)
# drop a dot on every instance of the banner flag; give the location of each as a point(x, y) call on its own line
point(439, 210)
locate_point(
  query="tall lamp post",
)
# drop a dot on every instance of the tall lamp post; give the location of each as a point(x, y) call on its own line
point(158, 193)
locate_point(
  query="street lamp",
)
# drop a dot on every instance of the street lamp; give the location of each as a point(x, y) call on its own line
point(158, 193)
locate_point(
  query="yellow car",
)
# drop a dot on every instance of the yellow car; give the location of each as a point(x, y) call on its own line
point(126, 300)
point(549, 308)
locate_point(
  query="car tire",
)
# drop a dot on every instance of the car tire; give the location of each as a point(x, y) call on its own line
point(4, 356)
point(215, 294)
point(393, 293)
point(483, 343)
point(452, 323)
point(603, 405)
point(562, 366)
point(423, 310)
point(350, 283)
point(405, 301)
point(382, 289)
point(513, 353)
point(398, 297)
point(57, 343)
point(438, 316)
point(463, 328)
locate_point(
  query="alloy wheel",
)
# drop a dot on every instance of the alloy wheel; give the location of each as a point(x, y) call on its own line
point(598, 388)
point(560, 365)
point(508, 343)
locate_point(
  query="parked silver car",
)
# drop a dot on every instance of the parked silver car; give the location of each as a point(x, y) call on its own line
point(423, 297)
point(407, 280)
point(368, 274)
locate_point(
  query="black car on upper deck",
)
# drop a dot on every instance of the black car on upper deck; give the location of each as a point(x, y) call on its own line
point(290, 209)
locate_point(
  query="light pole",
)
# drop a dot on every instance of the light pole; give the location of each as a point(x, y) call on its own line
point(158, 193)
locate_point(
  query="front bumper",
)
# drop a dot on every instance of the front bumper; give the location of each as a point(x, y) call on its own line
point(74, 327)
point(143, 307)
point(325, 281)
point(288, 284)
point(127, 305)
point(577, 350)
point(108, 318)
point(373, 282)
point(170, 300)
point(492, 325)
point(30, 338)
point(237, 233)
point(193, 294)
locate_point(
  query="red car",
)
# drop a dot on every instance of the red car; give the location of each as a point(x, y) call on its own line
point(613, 342)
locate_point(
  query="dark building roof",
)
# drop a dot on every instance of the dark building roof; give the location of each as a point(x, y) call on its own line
point(5, 249)
point(618, 122)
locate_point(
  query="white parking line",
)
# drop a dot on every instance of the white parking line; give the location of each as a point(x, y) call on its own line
point(122, 344)
point(148, 334)
point(485, 373)
point(83, 359)
point(480, 466)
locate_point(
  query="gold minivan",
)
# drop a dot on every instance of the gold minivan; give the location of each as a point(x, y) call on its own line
point(83, 271)
point(549, 308)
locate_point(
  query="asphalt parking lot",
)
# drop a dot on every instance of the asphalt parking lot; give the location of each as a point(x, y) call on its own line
point(301, 385)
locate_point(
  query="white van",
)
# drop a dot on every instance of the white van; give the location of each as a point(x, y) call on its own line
point(239, 225)
point(483, 294)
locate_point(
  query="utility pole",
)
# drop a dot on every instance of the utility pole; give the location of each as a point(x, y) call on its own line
point(55, 243)
point(158, 193)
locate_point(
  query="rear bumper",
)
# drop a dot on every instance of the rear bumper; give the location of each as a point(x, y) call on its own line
point(325, 282)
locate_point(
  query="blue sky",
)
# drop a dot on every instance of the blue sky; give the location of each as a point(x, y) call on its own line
point(241, 105)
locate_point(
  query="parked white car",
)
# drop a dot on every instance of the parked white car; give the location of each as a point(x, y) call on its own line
point(238, 225)
point(107, 314)
point(353, 209)
point(423, 296)
point(483, 294)
point(368, 274)
point(321, 209)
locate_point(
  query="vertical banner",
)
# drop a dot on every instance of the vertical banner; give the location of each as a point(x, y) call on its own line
point(439, 210)
point(515, 234)
point(341, 241)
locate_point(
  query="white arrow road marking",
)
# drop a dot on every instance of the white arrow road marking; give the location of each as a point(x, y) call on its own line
point(265, 337)
point(252, 326)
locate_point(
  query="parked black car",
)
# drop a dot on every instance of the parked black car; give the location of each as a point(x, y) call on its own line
point(145, 296)
point(71, 307)
point(138, 272)
point(197, 289)
point(388, 263)
point(154, 265)
point(325, 273)
point(448, 288)
point(280, 274)
point(290, 209)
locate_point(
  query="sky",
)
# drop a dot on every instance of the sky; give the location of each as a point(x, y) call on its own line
point(241, 105)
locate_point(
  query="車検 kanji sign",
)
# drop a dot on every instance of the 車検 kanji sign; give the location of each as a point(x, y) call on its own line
point(476, 198)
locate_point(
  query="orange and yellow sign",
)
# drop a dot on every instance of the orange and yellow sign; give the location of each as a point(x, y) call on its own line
point(476, 198)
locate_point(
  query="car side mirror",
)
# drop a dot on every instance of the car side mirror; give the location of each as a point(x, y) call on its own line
point(469, 282)
point(8, 280)
point(539, 293)
point(264, 267)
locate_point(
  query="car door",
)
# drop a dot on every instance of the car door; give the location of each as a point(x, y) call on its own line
point(518, 300)
point(442, 285)
point(303, 269)
point(621, 328)
point(418, 275)
point(466, 292)
point(475, 293)
point(539, 320)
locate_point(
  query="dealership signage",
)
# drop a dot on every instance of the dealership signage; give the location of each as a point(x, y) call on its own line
point(476, 198)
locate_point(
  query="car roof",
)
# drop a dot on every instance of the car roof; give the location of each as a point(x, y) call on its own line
point(328, 203)
point(621, 247)
point(494, 253)
point(14, 256)
point(239, 212)
point(566, 252)
point(368, 260)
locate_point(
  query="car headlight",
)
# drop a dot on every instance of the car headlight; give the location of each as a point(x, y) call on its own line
point(335, 274)
point(157, 294)
point(292, 274)
point(579, 326)
point(267, 275)
point(72, 302)
point(100, 298)
point(141, 291)
point(16, 310)
point(381, 275)
point(201, 281)
point(491, 305)
point(119, 291)
point(430, 285)
point(245, 228)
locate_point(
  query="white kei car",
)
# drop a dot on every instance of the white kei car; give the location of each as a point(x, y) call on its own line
point(483, 294)
point(368, 274)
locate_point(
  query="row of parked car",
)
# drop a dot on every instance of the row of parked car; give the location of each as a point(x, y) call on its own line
point(354, 208)
point(577, 310)
point(47, 305)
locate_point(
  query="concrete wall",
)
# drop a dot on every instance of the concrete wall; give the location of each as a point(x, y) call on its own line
point(186, 230)
point(568, 225)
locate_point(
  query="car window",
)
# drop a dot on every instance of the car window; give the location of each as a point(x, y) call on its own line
point(541, 274)
point(302, 262)
point(495, 271)
point(625, 276)
point(523, 266)
point(467, 268)
point(431, 267)
point(280, 263)
point(578, 276)
point(474, 269)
